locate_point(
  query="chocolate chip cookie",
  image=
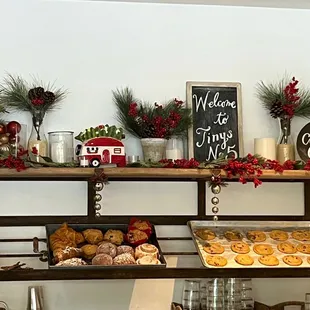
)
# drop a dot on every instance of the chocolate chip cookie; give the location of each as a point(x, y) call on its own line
point(244, 259)
point(240, 247)
point(214, 248)
point(216, 261)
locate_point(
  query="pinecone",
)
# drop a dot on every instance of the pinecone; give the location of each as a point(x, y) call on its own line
point(148, 131)
point(48, 97)
point(276, 109)
point(36, 93)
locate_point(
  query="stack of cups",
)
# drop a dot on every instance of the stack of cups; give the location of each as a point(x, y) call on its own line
point(191, 295)
point(203, 294)
point(247, 300)
point(215, 294)
point(232, 294)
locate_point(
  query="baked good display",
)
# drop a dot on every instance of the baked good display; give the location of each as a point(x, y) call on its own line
point(287, 247)
point(124, 259)
point(301, 235)
point(268, 260)
point(278, 235)
point(240, 247)
point(136, 237)
point(244, 259)
point(205, 234)
point(93, 236)
point(107, 248)
point(71, 262)
point(216, 261)
point(233, 235)
point(67, 253)
point(303, 248)
point(142, 225)
point(89, 251)
point(114, 236)
point(146, 249)
point(263, 249)
point(214, 248)
point(292, 260)
point(256, 236)
point(148, 260)
point(125, 249)
point(102, 260)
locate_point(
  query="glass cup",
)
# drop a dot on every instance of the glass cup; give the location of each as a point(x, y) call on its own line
point(307, 301)
point(191, 295)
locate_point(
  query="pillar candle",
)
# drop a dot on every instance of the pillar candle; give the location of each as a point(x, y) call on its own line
point(265, 147)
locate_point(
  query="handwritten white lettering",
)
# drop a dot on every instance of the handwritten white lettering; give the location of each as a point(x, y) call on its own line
point(305, 139)
point(221, 118)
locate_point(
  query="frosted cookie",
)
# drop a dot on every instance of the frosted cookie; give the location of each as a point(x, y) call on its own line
point(268, 260)
point(301, 235)
point(256, 236)
point(287, 248)
point(240, 247)
point(233, 235)
point(214, 248)
point(216, 261)
point(292, 260)
point(263, 249)
point(279, 235)
point(244, 259)
point(303, 248)
point(205, 234)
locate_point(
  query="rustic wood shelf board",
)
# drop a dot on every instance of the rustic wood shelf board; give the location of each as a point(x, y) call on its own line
point(147, 273)
point(139, 173)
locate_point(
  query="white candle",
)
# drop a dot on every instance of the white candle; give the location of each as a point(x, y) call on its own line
point(174, 154)
point(265, 147)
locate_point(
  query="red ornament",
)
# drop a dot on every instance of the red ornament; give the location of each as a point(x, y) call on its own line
point(13, 127)
point(14, 138)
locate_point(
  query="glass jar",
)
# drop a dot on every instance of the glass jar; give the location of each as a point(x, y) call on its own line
point(285, 145)
point(61, 148)
point(174, 148)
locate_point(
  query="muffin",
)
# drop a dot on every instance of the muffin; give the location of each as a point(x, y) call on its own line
point(93, 236)
point(89, 251)
point(136, 237)
point(114, 236)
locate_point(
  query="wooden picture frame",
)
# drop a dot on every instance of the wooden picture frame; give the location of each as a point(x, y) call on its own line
point(189, 100)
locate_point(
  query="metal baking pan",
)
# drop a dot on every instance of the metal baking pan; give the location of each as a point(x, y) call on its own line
point(51, 228)
point(220, 227)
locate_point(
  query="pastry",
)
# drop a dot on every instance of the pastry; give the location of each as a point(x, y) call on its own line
point(292, 260)
point(67, 253)
point(124, 259)
point(102, 259)
point(216, 261)
point(205, 234)
point(287, 248)
point(89, 251)
point(65, 236)
point(240, 247)
point(93, 236)
point(308, 260)
point(279, 235)
point(301, 235)
point(141, 225)
point(233, 235)
point(125, 249)
point(137, 237)
point(268, 260)
point(114, 236)
point(244, 259)
point(72, 262)
point(214, 248)
point(148, 260)
point(146, 249)
point(107, 248)
point(303, 248)
point(263, 249)
point(256, 236)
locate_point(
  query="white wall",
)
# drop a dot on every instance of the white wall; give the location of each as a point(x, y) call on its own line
point(94, 47)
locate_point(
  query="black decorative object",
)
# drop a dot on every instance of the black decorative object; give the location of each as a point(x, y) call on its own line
point(303, 143)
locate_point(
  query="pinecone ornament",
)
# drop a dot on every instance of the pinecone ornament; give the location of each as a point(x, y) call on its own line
point(148, 131)
point(276, 110)
point(36, 93)
point(48, 97)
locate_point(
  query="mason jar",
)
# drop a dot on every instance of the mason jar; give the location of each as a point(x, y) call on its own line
point(61, 148)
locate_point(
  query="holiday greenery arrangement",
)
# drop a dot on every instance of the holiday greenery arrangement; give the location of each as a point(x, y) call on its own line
point(284, 100)
point(101, 131)
point(151, 120)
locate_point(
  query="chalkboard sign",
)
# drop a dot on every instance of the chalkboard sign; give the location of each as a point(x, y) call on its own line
point(217, 120)
point(303, 143)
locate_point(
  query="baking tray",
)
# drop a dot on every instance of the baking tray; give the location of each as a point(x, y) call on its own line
point(219, 228)
point(51, 228)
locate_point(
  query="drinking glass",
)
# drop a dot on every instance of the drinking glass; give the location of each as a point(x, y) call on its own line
point(191, 295)
point(215, 294)
point(307, 301)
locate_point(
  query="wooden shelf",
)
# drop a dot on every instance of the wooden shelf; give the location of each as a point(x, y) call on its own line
point(147, 273)
point(139, 173)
